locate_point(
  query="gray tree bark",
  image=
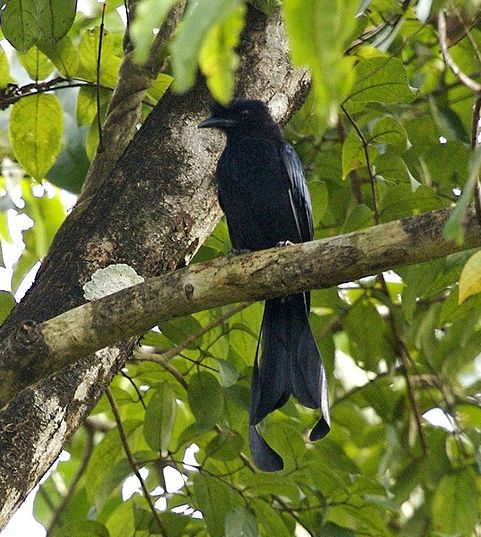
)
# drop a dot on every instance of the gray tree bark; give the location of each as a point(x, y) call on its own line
point(152, 211)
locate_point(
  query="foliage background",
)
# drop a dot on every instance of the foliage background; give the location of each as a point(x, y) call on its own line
point(385, 133)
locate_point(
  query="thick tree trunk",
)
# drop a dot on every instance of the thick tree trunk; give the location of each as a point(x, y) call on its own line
point(152, 212)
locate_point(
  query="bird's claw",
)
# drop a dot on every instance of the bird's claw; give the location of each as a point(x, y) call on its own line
point(239, 251)
point(284, 243)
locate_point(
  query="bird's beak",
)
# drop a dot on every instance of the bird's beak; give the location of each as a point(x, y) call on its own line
point(216, 123)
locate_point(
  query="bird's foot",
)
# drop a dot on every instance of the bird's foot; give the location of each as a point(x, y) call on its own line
point(284, 243)
point(239, 251)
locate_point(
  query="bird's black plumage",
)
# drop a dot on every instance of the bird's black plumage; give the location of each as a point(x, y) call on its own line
point(264, 196)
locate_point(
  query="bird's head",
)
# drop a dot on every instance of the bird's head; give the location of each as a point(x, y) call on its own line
point(240, 116)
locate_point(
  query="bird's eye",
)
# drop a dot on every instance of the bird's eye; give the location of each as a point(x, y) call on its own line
point(244, 113)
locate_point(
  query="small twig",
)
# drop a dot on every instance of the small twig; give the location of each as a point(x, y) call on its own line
point(475, 141)
point(400, 347)
point(443, 42)
point(175, 351)
point(365, 146)
point(99, 58)
point(132, 462)
point(160, 359)
point(89, 445)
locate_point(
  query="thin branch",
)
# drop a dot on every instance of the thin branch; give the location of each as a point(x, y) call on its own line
point(174, 351)
point(132, 462)
point(443, 42)
point(99, 58)
point(160, 359)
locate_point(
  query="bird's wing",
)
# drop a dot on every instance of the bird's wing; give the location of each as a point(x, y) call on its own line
point(298, 193)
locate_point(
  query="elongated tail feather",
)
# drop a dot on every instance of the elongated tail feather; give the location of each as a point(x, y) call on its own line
point(290, 364)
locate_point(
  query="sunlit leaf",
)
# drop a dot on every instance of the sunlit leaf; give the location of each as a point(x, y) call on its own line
point(35, 131)
point(198, 19)
point(160, 417)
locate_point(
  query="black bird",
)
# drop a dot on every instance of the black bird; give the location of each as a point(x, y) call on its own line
point(264, 196)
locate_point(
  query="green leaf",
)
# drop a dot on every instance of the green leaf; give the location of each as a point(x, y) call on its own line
point(453, 230)
point(55, 18)
point(360, 217)
point(28, 22)
point(81, 528)
point(63, 54)
point(381, 80)
point(353, 154)
point(455, 506)
point(149, 15)
point(6, 304)
point(241, 523)
point(160, 417)
point(225, 446)
point(470, 279)
point(318, 32)
point(389, 131)
point(86, 106)
point(37, 65)
point(198, 19)
point(5, 77)
point(217, 58)
point(159, 86)
point(35, 131)
point(214, 499)
point(205, 398)
point(88, 58)
point(98, 472)
point(20, 23)
point(228, 373)
point(269, 519)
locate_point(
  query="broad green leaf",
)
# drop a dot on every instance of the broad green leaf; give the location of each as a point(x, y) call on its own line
point(214, 499)
point(159, 86)
point(20, 23)
point(81, 528)
point(453, 230)
point(109, 449)
point(225, 446)
point(88, 51)
point(470, 279)
point(389, 131)
point(86, 106)
point(205, 398)
point(241, 523)
point(29, 22)
point(6, 304)
point(469, 415)
point(63, 54)
point(35, 131)
point(228, 373)
point(160, 417)
point(198, 19)
point(55, 18)
point(360, 217)
point(5, 77)
point(318, 32)
point(149, 15)
point(270, 519)
point(37, 65)
point(381, 80)
point(455, 507)
point(217, 58)
point(353, 154)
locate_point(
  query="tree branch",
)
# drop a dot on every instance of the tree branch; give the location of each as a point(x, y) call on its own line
point(45, 347)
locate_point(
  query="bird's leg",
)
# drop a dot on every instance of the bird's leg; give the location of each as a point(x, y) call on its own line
point(239, 251)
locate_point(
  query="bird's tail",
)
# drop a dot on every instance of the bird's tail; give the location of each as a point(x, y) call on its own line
point(290, 364)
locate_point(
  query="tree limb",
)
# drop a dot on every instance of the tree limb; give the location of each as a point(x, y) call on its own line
point(256, 276)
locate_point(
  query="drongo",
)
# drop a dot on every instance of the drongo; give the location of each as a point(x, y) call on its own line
point(264, 196)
